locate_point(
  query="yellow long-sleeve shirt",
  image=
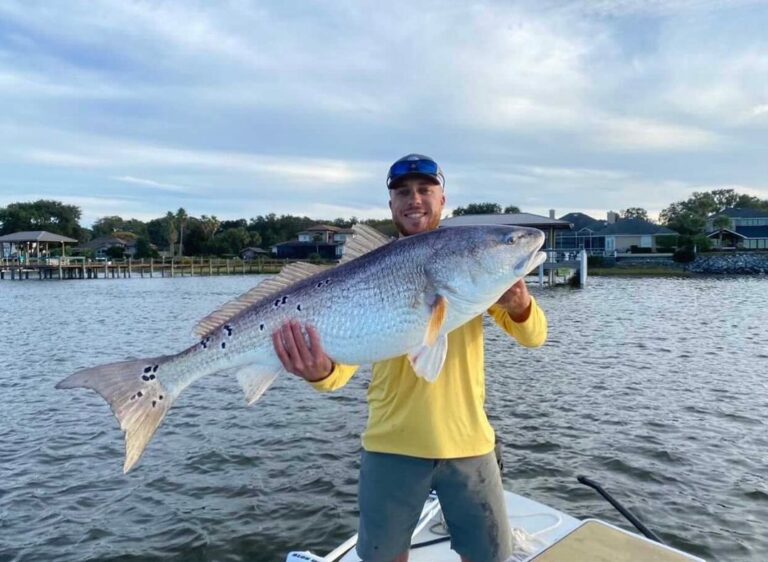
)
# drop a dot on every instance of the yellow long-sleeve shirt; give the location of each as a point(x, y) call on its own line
point(446, 418)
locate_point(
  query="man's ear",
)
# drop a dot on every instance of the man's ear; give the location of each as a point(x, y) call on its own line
point(390, 204)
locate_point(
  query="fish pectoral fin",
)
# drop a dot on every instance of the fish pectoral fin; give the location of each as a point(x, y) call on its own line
point(436, 320)
point(427, 360)
point(256, 379)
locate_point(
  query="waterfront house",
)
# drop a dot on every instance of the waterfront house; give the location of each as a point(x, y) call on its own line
point(251, 253)
point(100, 245)
point(615, 235)
point(637, 236)
point(747, 229)
point(319, 241)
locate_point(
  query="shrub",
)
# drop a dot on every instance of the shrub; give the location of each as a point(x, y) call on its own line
point(684, 255)
point(595, 261)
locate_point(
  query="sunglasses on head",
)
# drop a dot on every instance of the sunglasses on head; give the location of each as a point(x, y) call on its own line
point(399, 169)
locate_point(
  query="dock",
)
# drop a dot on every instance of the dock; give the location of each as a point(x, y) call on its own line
point(79, 268)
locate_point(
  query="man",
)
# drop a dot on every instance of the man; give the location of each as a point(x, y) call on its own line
point(423, 435)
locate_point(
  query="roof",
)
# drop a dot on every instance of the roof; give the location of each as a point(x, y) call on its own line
point(297, 244)
point(740, 213)
point(716, 233)
point(102, 241)
point(581, 221)
point(328, 228)
point(633, 227)
point(254, 250)
point(753, 231)
point(35, 236)
point(511, 219)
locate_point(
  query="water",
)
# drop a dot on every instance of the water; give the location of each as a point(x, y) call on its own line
point(657, 388)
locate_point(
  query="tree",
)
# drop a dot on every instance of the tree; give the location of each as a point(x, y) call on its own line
point(144, 249)
point(478, 209)
point(721, 222)
point(635, 213)
point(171, 234)
point(181, 221)
point(43, 214)
point(105, 226)
point(511, 210)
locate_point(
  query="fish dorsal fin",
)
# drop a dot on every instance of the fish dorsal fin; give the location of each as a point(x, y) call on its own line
point(290, 274)
point(365, 239)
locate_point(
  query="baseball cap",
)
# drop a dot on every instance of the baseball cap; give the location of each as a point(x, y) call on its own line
point(414, 165)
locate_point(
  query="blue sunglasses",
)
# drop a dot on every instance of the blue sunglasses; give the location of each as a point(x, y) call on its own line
point(405, 167)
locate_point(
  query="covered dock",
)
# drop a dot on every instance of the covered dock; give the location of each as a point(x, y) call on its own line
point(577, 262)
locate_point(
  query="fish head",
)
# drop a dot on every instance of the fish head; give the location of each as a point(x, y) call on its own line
point(477, 264)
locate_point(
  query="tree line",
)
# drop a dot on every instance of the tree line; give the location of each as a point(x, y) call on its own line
point(177, 233)
point(181, 234)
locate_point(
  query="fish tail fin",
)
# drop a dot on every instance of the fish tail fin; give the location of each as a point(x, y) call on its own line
point(134, 392)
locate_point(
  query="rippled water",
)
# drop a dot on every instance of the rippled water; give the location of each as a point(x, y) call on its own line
point(656, 388)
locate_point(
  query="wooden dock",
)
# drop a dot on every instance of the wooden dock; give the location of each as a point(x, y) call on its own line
point(74, 268)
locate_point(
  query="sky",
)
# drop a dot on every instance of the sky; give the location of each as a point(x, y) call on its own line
point(242, 108)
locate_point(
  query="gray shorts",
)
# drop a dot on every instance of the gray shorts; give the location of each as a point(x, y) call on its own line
point(392, 492)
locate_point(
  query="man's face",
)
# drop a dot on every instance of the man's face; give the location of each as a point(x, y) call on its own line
point(416, 205)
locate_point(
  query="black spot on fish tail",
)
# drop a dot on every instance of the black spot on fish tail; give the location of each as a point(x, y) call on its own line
point(145, 378)
point(223, 345)
point(276, 303)
point(298, 307)
point(228, 328)
point(148, 369)
point(160, 397)
point(320, 284)
point(139, 394)
point(152, 377)
point(204, 343)
point(285, 299)
point(261, 327)
point(154, 403)
point(154, 369)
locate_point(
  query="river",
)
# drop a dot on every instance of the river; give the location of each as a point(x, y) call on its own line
point(657, 388)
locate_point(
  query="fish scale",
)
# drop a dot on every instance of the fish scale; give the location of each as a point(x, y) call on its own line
point(403, 297)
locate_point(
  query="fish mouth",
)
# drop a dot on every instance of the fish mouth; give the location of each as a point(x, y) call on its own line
point(528, 265)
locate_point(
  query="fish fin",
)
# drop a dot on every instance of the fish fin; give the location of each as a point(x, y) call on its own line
point(365, 239)
point(427, 360)
point(256, 379)
point(289, 275)
point(436, 320)
point(134, 392)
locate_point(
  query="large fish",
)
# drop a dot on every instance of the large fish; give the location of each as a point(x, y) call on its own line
point(386, 299)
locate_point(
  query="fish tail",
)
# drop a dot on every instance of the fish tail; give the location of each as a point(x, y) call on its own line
point(134, 392)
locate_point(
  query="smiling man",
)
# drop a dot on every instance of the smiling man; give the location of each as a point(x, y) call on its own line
point(425, 435)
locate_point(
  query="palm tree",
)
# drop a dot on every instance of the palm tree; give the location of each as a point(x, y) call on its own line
point(170, 230)
point(181, 219)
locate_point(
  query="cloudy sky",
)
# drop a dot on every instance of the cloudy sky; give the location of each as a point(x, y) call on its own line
point(242, 108)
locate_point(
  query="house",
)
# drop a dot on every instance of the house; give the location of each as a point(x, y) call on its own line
point(637, 236)
point(583, 236)
point(100, 245)
point(251, 253)
point(323, 241)
point(747, 228)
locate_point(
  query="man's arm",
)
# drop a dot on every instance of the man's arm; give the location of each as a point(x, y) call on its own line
point(518, 314)
point(308, 360)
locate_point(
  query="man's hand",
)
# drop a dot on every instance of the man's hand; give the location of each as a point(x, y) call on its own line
point(517, 302)
point(307, 361)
